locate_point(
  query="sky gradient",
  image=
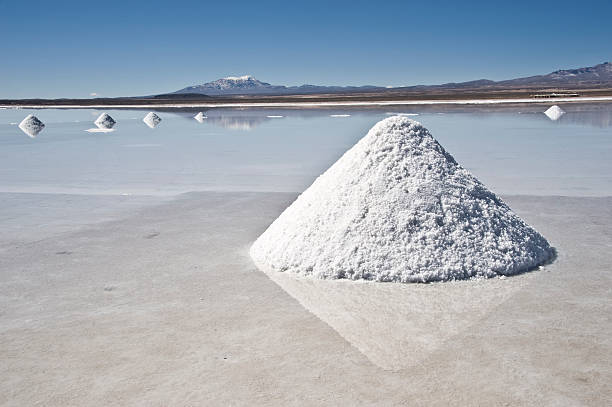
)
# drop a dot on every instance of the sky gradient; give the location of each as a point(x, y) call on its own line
point(125, 48)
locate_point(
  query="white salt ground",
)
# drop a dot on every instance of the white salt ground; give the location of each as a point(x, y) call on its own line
point(397, 207)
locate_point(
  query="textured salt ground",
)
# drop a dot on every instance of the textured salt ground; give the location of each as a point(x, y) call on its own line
point(164, 307)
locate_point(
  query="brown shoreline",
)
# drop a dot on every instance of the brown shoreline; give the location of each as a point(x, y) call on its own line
point(385, 96)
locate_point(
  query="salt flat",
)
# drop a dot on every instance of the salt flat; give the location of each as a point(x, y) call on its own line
point(160, 304)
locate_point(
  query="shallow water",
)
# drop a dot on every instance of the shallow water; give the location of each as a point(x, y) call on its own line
point(514, 150)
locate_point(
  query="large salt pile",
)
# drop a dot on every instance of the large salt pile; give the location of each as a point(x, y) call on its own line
point(104, 121)
point(554, 112)
point(31, 125)
point(151, 120)
point(398, 207)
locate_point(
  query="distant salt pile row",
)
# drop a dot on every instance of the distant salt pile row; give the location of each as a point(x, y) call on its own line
point(554, 112)
point(31, 125)
point(398, 207)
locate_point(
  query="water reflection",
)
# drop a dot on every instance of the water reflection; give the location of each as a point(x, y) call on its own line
point(514, 149)
point(594, 116)
point(598, 115)
point(236, 122)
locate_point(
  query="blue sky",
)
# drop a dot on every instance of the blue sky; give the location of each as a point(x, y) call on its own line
point(114, 48)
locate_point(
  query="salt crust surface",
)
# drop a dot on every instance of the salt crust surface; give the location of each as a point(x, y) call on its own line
point(397, 207)
point(151, 120)
point(554, 112)
point(104, 121)
point(31, 125)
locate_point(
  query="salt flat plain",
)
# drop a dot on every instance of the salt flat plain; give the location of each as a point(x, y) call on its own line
point(163, 306)
point(150, 298)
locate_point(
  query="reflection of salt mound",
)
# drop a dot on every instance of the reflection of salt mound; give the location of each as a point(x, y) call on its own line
point(31, 125)
point(554, 112)
point(104, 121)
point(200, 117)
point(99, 130)
point(398, 207)
point(151, 120)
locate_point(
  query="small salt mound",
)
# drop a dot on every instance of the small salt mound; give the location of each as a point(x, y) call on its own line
point(554, 112)
point(31, 125)
point(151, 120)
point(104, 121)
point(200, 117)
point(398, 207)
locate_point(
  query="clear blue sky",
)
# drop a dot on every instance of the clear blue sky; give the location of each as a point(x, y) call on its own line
point(74, 48)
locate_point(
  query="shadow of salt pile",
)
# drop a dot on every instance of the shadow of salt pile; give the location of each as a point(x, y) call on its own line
point(397, 325)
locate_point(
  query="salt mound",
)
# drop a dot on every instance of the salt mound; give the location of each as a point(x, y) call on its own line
point(31, 125)
point(398, 207)
point(554, 112)
point(151, 120)
point(200, 117)
point(104, 121)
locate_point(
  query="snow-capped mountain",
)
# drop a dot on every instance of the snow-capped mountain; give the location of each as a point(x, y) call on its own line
point(248, 85)
point(233, 85)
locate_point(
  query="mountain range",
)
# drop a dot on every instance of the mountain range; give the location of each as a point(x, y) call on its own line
point(589, 77)
point(248, 85)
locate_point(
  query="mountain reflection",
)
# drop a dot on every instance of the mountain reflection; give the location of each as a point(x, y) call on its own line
point(597, 117)
point(245, 119)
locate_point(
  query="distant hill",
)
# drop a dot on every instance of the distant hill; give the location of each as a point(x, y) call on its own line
point(592, 76)
point(248, 85)
point(595, 76)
